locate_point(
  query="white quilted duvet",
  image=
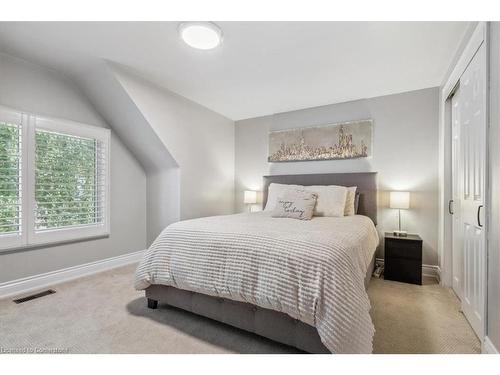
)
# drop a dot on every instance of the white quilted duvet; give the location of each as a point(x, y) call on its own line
point(311, 270)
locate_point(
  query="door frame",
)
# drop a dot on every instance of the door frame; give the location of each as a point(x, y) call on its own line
point(478, 37)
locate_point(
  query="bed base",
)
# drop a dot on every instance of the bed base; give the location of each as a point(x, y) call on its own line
point(271, 324)
point(152, 303)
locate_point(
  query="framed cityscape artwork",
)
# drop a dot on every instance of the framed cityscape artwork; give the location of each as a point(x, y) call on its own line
point(347, 140)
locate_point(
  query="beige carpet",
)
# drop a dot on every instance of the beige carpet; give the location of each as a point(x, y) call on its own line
point(103, 314)
point(419, 319)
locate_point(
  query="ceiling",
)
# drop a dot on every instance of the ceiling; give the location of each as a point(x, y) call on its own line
point(262, 67)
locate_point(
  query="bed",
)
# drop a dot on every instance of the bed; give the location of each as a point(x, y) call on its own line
point(301, 283)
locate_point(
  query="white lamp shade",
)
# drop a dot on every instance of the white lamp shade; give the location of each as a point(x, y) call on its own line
point(400, 200)
point(250, 197)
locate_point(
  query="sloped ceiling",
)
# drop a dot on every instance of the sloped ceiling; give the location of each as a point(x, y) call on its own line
point(261, 67)
point(120, 112)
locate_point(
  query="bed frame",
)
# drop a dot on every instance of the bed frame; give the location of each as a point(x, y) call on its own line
point(272, 324)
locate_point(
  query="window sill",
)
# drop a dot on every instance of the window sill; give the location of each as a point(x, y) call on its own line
point(42, 245)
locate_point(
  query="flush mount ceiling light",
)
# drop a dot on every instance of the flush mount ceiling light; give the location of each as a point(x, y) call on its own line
point(200, 35)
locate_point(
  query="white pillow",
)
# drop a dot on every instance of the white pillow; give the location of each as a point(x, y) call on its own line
point(349, 201)
point(278, 190)
point(331, 199)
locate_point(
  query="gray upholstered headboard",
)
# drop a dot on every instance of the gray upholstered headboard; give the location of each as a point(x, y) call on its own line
point(365, 181)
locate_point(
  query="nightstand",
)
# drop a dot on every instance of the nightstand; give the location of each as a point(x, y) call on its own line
point(403, 258)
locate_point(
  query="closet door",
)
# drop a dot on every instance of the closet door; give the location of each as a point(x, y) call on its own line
point(457, 192)
point(472, 119)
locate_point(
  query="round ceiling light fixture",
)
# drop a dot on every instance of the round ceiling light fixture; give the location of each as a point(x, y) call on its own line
point(200, 35)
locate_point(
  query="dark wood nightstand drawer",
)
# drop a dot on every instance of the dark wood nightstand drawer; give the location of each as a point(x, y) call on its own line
point(403, 270)
point(403, 258)
point(403, 249)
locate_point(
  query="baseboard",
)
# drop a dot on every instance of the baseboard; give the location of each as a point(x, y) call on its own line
point(37, 282)
point(428, 270)
point(488, 347)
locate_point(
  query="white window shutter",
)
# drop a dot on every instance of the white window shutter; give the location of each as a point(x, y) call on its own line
point(54, 180)
point(12, 225)
point(70, 181)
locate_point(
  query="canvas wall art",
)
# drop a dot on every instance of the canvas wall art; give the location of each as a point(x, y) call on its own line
point(347, 140)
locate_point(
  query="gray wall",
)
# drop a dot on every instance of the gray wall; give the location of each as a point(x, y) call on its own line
point(405, 155)
point(32, 88)
point(162, 172)
point(493, 313)
point(200, 141)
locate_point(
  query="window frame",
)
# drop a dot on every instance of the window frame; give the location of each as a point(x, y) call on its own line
point(14, 240)
point(29, 236)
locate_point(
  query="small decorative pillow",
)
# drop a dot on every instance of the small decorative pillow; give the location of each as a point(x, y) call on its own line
point(295, 205)
point(350, 200)
point(278, 190)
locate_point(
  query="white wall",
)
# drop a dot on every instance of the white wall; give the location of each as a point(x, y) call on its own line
point(32, 88)
point(200, 141)
point(493, 312)
point(405, 155)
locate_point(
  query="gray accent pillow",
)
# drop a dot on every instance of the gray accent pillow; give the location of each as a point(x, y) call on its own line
point(296, 204)
point(356, 203)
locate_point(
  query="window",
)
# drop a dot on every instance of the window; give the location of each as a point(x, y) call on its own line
point(11, 179)
point(54, 181)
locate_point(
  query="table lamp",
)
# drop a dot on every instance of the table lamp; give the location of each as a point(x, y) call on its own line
point(401, 201)
point(249, 198)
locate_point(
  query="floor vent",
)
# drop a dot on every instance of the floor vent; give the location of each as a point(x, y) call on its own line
point(33, 296)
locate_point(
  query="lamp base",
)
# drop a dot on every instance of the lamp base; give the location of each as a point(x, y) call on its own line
point(400, 233)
